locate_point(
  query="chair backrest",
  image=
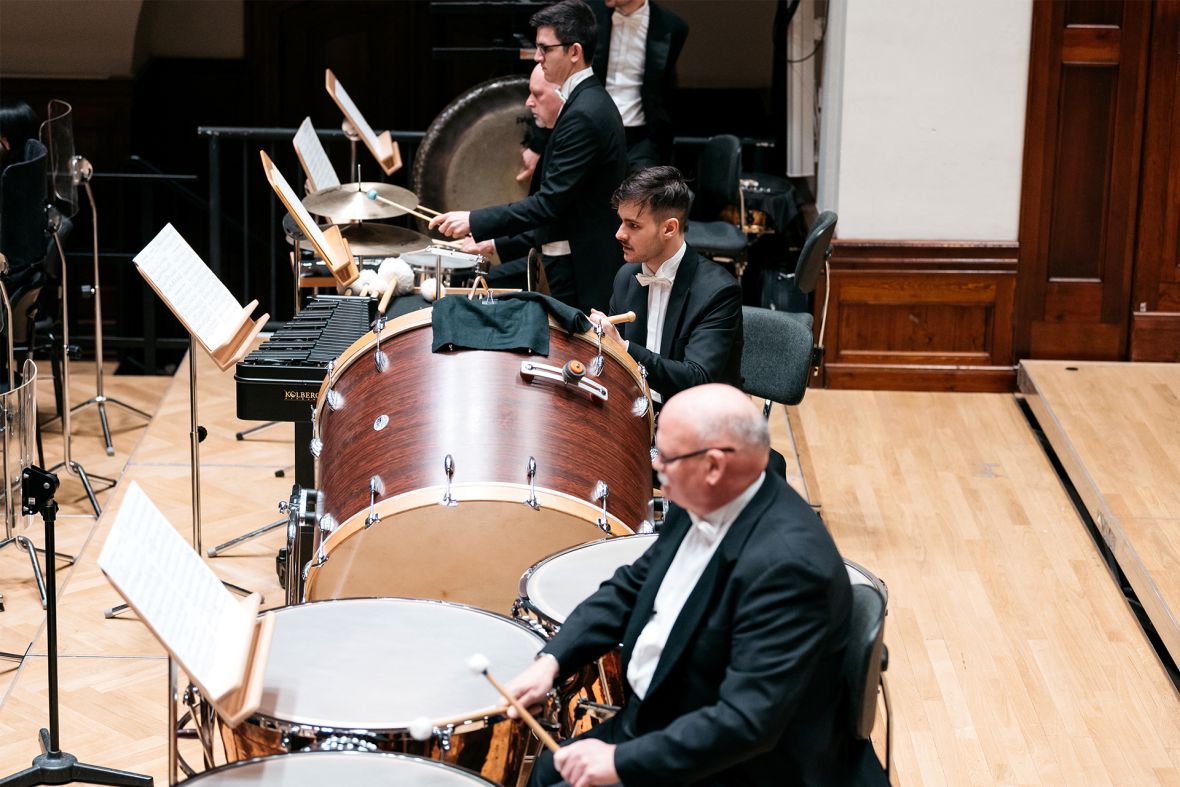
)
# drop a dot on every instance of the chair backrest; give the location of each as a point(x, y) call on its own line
point(719, 171)
point(22, 205)
point(776, 354)
point(866, 638)
point(816, 249)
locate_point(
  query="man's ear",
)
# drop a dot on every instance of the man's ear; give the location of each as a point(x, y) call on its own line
point(670, 227)
point(576, 52)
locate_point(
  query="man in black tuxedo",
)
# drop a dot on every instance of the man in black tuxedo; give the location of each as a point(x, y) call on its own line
point(584, 160)
point(733, 627)
point(639, 44)
point(688, 326)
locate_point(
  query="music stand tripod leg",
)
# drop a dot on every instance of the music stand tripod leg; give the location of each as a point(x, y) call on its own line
point(55, 766)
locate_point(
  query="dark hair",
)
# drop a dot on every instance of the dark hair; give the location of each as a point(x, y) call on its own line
point(661, 190)
point(573, 23)
point(19, 123)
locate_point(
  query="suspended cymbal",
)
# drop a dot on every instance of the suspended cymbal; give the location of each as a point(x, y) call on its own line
point(352, 201)
point(376, 240)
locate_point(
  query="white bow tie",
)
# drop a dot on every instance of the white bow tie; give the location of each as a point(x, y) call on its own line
point(644, 280)
point(618, 18)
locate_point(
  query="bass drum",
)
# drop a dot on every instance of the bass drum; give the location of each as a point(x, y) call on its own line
point(446, 475)
point(470, 155)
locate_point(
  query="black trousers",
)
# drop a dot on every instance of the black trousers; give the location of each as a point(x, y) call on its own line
point(617, 729)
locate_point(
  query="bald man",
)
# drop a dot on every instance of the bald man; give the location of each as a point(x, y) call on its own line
point(734, 626)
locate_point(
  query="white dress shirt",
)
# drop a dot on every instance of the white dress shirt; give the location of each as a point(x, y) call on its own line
point(572, 81)
point(684, 572)
point(658, 295)
point(624, 68)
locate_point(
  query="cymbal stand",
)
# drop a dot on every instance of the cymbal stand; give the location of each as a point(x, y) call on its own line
point(196, 435)
point(353, 137)
point(68, 462)
point(82, 172)
point(55, 766)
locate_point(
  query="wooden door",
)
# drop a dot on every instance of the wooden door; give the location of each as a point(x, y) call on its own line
point(1155, 319)
point(1080, 187)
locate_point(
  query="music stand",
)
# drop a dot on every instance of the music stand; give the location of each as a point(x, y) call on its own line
point(55, 766)
point(57, 134)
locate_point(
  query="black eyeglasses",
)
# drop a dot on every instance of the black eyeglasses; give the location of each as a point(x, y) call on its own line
point(669, 460)
point(544, 48)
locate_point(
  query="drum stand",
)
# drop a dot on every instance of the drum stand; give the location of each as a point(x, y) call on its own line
point(68, 462)
point(82, 171)
point(55, 766)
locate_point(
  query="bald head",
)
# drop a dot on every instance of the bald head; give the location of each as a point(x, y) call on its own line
point(717, 417)
point(543, 101)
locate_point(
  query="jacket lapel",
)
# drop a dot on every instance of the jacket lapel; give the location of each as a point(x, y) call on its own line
point(659, 42)
point(636, 302)
point(674, 530)
point(681, 288)
point(717, 571)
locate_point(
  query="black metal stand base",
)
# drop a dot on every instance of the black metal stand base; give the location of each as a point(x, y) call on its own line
point(59, 767)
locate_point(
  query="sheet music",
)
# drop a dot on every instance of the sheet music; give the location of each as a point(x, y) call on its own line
point(175, 593)
point(315, 161)
point(205, 305)
point(355, 117)
point(303, 218)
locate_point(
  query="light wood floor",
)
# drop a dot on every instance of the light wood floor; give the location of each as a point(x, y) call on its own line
point(1013, 658)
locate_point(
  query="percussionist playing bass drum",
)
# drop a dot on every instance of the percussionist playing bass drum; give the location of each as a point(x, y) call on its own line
point(734, 627)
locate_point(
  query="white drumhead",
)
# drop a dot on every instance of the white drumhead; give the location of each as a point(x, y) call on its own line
point(559, 583)
point(426, 261)
point(381, 663)
point(354, 768)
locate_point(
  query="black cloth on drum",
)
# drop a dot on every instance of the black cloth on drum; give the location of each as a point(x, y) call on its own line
point(702, 334)
point(583, 164)
point(405, 304)
point(775, 196)
point(459, 323)
point(570, 319)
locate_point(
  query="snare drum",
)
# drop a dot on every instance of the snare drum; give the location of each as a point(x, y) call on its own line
point(551, 589)
point(455, 265)
point(352, 768)
point(362, 673)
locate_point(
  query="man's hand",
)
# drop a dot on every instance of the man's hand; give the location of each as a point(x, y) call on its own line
point(529, 158)
point(531, 686)
point(485, 247)
point(608, 329)
point(587, 762)
point(453, 224)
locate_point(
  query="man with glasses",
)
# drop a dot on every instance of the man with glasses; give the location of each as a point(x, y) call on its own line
point(688, 326)
point(733, 627)
point(584, 160)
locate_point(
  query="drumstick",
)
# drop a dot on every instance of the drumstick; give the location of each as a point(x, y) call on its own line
point(429, 210)
point(615, 319)
point(479, 663)
point(373, 195)
point(386, 298)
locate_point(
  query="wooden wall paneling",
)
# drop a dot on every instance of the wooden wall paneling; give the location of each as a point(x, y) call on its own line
point(1155, 318)
point(1080, 191)
point(921, 315)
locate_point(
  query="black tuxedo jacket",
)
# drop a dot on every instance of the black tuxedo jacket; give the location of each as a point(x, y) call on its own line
point(702, 337)
point(584, 162)
point(666, 34)
point(749, 689)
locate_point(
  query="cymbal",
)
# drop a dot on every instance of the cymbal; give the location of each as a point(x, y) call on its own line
point(375, 240)
point(351, 201)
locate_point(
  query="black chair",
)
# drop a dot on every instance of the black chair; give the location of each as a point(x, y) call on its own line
point(867, 658)
point(776, 355)
point(718, 185)
point(799, 283)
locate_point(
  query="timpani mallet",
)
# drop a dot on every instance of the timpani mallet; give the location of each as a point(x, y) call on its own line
point(479, 664)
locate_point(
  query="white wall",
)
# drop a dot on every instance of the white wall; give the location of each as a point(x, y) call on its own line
point(922, 120)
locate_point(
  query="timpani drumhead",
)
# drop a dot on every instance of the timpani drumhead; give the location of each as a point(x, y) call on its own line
point(470, 155)
point(561, 582)
point(353, 768)
point(471, 553)
point(380, 664)
point(423, 260)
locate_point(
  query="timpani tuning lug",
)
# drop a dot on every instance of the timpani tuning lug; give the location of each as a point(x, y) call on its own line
point(376, 489)
point(602, 492)
point(531, 501)
point(449, 469)
point(642, 403)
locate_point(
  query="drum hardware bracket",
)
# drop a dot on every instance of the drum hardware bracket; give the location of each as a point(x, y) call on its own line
point(316, 447)
point(376, 488)
point(334, 398)
point(642, 403)
point(449, 469)
point(602, 492)
point(380, 358)
point(597, 711)
point(531, 501)
point(530, 370)
point(597, 363)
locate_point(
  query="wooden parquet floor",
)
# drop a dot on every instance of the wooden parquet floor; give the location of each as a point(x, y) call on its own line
point(1013, 658)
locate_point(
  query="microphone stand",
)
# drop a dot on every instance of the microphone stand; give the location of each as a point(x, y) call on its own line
point(55, 766)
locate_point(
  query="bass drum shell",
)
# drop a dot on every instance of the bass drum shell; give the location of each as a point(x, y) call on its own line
point(476, 407)
point(471, 553)
point(470, 155)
